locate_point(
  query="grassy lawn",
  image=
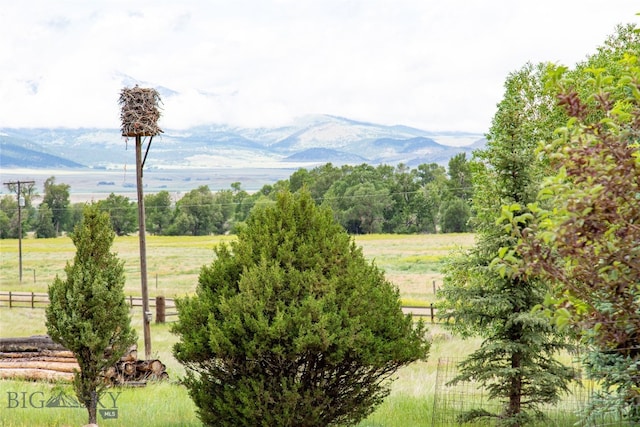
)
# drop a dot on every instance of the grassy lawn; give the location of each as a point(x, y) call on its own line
point(411, 262)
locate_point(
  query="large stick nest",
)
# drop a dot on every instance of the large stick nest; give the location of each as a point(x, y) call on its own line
point(140, 111)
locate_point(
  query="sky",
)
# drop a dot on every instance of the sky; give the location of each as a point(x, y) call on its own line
point(434, 65)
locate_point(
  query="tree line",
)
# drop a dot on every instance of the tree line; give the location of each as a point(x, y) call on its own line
point(364, 198)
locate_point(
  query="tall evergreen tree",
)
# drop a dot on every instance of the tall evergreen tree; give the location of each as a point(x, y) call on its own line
point(291, 325)
point(516, 361)
point(585, 233)
point(88, 313)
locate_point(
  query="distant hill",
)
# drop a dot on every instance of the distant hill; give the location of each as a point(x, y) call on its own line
point(311, 140)
point(18, 153)
point(325, 155)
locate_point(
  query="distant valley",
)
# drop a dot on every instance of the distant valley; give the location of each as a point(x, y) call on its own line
point(96, 162)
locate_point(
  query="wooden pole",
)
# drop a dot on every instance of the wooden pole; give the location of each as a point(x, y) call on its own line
point(160, 309)
point(146, 313)
point(19, 183)
point(19, 233)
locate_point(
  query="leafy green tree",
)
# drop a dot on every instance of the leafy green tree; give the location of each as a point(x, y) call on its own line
point(460, 177)
point(123, 213)
point(299, 179)
point(5, 223)
point(88, 313)
point(431, 172)
point(243, 202)
point(455, 216)
point(433, 179)
point(516, 361)
point(44, 227)
point(75, 214)
point(360, 198)
point(56, 196)
point(158, 211)
point(197, 213)
point(426, 207)
point(363, 208)
point(224, 200)
point(455, 209)
point(587, 230)
point(9, 207)
point(321, 178)
point(291, 325)
point(402, 215)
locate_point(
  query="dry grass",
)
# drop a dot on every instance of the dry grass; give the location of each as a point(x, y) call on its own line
point(173, 263)
point(410, 262)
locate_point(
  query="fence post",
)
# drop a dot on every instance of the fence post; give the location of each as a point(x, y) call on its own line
point(131, 301)
point(432, 316)
point(434, 287)
point(9, 299)
point(160, 309)
point(32, 298)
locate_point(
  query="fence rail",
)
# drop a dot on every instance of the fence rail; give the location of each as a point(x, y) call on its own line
point(13, 299)
point(18, 299)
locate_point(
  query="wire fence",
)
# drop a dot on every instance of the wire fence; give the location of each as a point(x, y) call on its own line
point(451, 401)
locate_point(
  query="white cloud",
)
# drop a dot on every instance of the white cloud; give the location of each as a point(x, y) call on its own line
point(434, 65)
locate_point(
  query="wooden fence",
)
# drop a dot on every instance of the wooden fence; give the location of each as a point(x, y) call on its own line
point(13, 299)
point(165, 307)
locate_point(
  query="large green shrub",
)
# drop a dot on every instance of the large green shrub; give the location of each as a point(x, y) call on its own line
point(291, 325)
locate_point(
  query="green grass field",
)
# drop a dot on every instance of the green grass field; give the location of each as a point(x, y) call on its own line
point(411, 262)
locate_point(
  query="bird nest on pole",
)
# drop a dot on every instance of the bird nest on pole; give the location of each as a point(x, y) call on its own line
point(140, 111)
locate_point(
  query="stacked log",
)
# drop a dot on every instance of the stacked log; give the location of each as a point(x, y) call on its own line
point(35, 358)
point(40, 358)
point(131, 370)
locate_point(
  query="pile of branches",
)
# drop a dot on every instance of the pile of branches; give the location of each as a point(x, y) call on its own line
point(139, 111)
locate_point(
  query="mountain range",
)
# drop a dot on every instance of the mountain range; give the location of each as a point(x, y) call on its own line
point(306, 142)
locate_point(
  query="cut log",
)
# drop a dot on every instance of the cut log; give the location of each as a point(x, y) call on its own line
point(35, 374)
point(50, 366)
point(110, 372)
point(38, 359)
point(44, 353)
point(157, 367)
point(58, 353)
point(131, 355)
point(129, 368)
point(34, 343)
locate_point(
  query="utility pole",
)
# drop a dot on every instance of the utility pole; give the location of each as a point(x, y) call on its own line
point(143, 251)
point(20, 205)
point(139, 116)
